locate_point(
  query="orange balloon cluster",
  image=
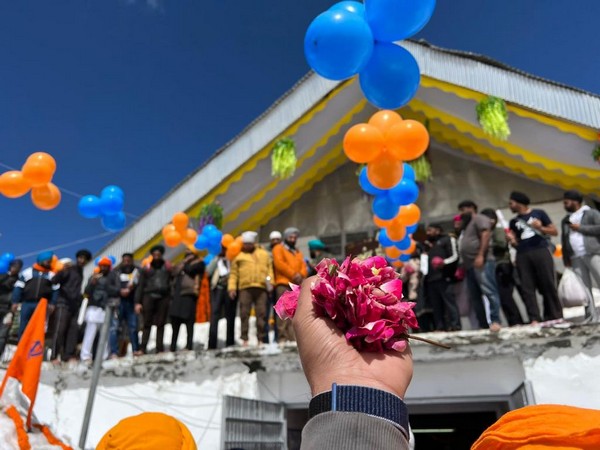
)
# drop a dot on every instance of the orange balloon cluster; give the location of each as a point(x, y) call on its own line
point(178, 232)
point(384, 143)
point(395, 229)
point(35, 175)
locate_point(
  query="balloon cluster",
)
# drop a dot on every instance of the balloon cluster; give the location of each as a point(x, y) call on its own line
point(35, 175)
point(178, 231)
point(351, 38)
point(109, 206)
point(211, 239)
point(384, 143)
point(5, 260)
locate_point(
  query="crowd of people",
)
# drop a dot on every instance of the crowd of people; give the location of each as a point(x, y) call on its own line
point(488, 262)
point(483, 256)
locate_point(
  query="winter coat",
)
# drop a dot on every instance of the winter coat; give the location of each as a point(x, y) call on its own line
point(105, 289)
point(287, 263)
point(250, 270)
point(589, 227)
point(70, 281)
point(155, 282)
point(35, 283)
point(7, 284)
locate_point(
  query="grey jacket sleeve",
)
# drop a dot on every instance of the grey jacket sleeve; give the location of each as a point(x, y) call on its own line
point(351, 431)
point(593, 228)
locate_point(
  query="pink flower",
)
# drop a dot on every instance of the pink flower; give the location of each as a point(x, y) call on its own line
point(364, 300)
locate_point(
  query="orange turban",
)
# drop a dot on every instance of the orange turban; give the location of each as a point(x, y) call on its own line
point(543, 426)
point(105, 261)
point(148, 431)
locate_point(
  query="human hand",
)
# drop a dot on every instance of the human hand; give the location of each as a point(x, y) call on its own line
point(232, 294)
point(51, 308)
point(574, 226)
point(328, 358)
point(536, 223)
point(297, 279)
point(14, 307)
point(138, 308)
point(479, 262)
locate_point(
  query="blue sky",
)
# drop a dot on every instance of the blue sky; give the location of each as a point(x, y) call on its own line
point(140, 93)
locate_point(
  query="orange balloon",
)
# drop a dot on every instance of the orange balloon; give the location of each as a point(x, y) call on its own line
point(384, 172)
point(13, 184)
point(39, 171)
point(172, 239)
point(381, 223)
point(407, 140)
point(240, 240)
point(45, 197)
point(233, 250)
point(558, 253)
point(363, 143)
point(396, 231)
point(392, 252)
point(181, 222)
point(168, 229)
point(409, 214)
point(227, 240)
point(384, 120)
point(44, 158)
point(190, 236)
point(398, 264)
point(410, 250)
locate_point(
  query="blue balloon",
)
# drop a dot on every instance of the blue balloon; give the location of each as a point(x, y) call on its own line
point(112, 190)
point(404, 193)
point(338, 44)
point(384, 239)
point(208, 259)
point(394, 20)
point(201, 242)
point(391, 78)
point(89, 206)
point(350, 6)
point(412, 228)
point(4, 265)
point(404, 244)
point(366, 185)
point(8, 257)
point(404, 258)
point(214, 247)
point(384, 208)
point(113, 222)
point(111, 205)
point(210, 231)
point(408, 172)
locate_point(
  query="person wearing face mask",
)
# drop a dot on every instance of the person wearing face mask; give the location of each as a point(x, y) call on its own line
point(35, 283)
point(581, 243)
point(152, 297)
point(443, 261)
point(289, 268)
point(129, 278)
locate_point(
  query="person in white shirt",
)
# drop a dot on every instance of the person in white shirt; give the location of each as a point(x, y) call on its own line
point(581, 243)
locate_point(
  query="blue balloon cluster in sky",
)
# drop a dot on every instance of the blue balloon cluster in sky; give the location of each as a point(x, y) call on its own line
point(109, 207)
point(5, 260)
point(210, 240)
point(351, 38)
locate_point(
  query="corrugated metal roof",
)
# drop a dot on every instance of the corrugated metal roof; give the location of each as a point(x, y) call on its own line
point(463, 69)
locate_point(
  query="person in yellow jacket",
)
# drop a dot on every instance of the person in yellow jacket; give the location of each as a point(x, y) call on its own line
point(250, 281)
point(290, 267)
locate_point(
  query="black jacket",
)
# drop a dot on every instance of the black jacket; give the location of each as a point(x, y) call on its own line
point(106, 288)
point(155, 282)
point(444, 247)
point(69, 294)
point(7, 283)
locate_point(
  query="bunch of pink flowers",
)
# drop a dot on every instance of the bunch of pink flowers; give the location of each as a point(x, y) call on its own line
point(364, 300)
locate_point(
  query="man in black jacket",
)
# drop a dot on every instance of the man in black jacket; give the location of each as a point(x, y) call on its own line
point(129, 278)
point(65, 329)
point(152, 297)
point(443, 260)
point(7, 284)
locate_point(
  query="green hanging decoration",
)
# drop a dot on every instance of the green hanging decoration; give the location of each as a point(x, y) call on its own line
point(493, 117)
point(211, 213)
point(596, 153)
point(283, 159)
point(422, 169)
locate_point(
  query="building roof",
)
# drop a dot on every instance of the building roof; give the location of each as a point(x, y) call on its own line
point(554, 128)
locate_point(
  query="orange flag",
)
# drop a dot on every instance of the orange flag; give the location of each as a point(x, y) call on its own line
point(26, 364)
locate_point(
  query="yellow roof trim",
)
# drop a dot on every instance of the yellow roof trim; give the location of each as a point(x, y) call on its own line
point(589, 134)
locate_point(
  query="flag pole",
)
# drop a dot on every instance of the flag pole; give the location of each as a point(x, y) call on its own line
point(95, 376)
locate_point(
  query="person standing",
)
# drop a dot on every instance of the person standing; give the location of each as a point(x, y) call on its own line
point(504, 271)
point(220, 302)
point(290, 267)
point(443, 261)
point(248, 281)
point(529, 234)
point(187, 276)
point(101, 290)
point(129, 277)
point(35, 283)
point(581, 243)
point(7, 284)
point(152, 297)
point(317, 250)
point(475, 253)
point(65, 327)
point(275, 238)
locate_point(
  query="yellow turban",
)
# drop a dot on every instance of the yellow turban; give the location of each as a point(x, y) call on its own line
point(148, 431)
point(543, 426)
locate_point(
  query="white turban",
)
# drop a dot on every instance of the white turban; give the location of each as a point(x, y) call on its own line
point(249, 237)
